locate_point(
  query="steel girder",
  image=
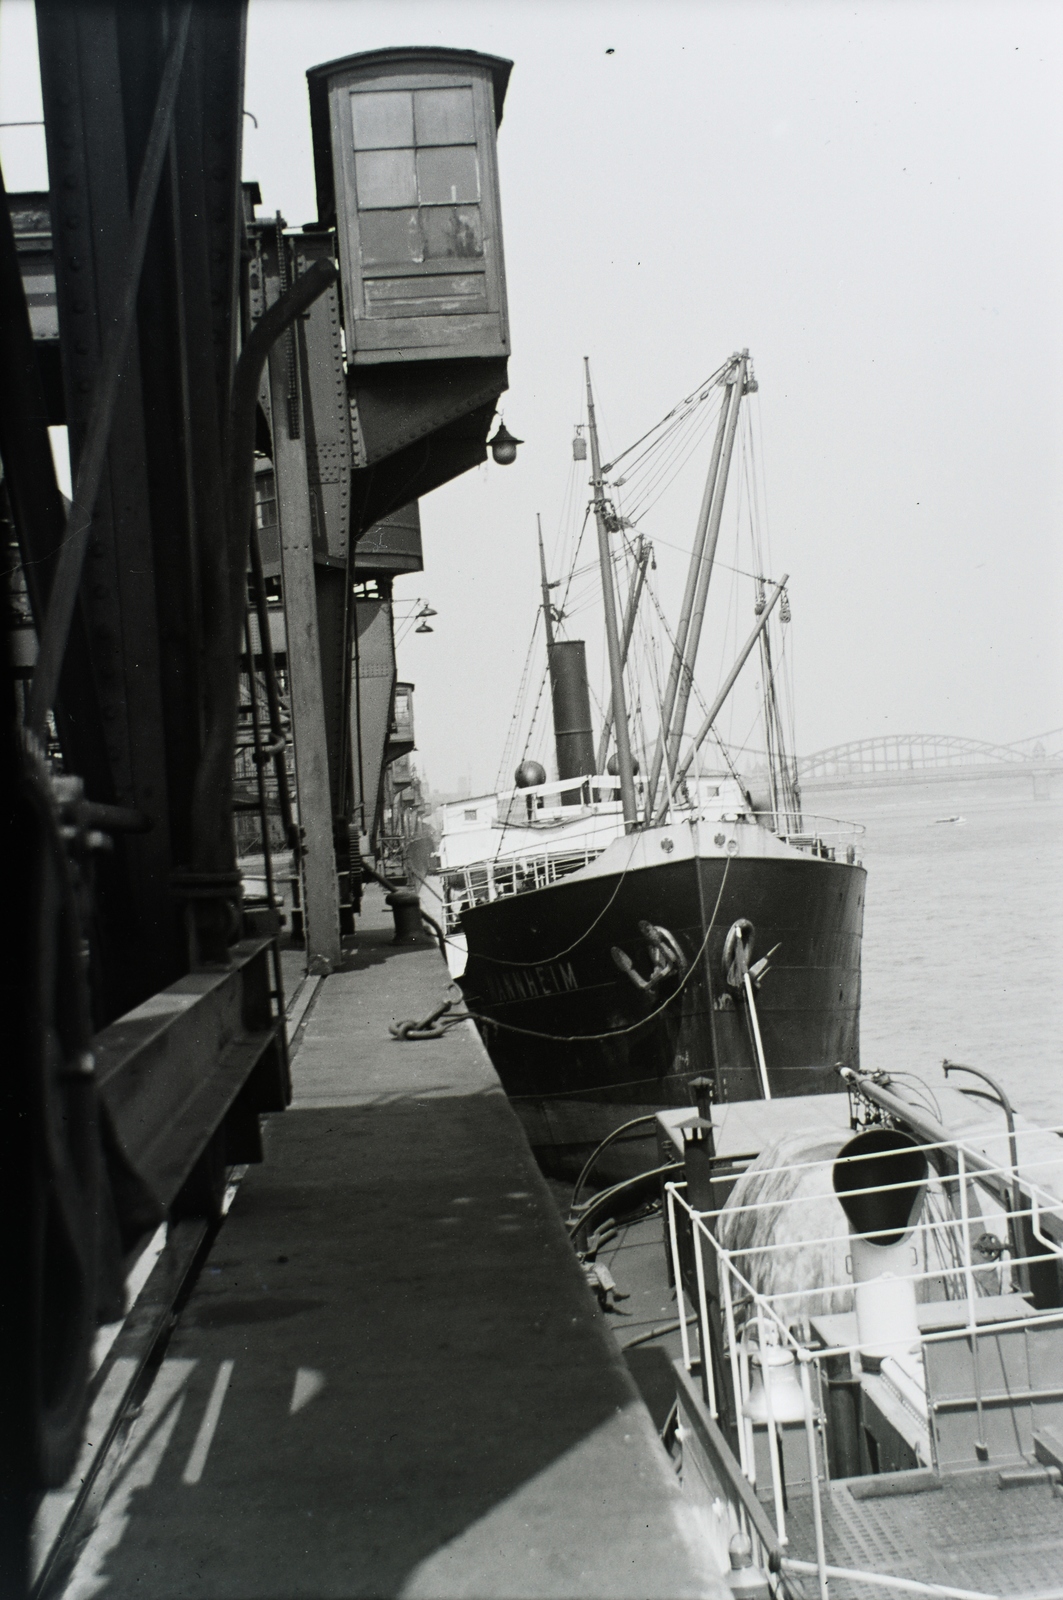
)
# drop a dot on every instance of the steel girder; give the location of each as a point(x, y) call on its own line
point(38, 513)
point(172, 1090)
point(375, 673)
point(204, 1054)
point(305, 401)
point(416, 427)
point(133, 718)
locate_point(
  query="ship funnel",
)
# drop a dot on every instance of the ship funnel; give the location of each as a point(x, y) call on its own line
point(570, 693)
point(880, 1179)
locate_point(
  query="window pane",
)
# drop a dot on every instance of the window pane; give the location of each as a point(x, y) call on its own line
point(444, 116)
point(385, 178)
point(265, 500)
point(452, 231)
point(448, 175)
point(390, 236)
point(382, 120)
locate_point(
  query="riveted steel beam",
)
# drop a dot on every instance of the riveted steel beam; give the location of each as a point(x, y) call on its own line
point(89, 164)
point(155, 577)
point(204, 1054)
point(38, 512)
point(307, 542)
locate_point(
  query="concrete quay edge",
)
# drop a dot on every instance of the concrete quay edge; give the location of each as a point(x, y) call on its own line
point(390, 1378)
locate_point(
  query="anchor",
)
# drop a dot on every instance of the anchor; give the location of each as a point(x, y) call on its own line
point(666, 954)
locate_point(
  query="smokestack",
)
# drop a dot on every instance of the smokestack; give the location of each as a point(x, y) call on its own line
point(569, 693)
point(571, 697)
point(881, 1225)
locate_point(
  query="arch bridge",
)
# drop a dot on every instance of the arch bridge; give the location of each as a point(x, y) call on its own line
point(901, 755)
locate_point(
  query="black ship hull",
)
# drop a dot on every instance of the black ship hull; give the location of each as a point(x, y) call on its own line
point(596, 1049)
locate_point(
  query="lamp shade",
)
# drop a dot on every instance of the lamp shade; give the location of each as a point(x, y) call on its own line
point(504, 446)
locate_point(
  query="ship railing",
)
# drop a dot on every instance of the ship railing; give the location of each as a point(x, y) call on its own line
point(484, 881)
point(830, 838)
point(726, 1322)
point(567, 800)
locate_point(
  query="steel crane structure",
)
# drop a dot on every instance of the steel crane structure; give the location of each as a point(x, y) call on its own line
point(181, 340)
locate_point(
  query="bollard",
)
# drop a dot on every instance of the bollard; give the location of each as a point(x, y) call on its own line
point(406, 909)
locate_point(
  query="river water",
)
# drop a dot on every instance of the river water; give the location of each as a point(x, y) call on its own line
point(963, 931)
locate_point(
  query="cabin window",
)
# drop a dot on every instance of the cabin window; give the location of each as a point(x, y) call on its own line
point(417, 175)
point(452, 231)
point(444, 116)
point(470, 816)
point(383, 120)
point(390, 236)
point(385, 178)
point(448, 175)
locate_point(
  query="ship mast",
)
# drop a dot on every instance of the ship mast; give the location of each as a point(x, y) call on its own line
point(642, 561)
point(688, 637)
point(683, 628)
point(612, 633)
point(782, 775)
point(548, 612)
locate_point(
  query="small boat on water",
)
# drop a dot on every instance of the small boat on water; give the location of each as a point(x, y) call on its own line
point(869, 1394)
point(627, 932)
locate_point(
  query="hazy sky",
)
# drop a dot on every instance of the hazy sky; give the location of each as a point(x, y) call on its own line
point(865, 195)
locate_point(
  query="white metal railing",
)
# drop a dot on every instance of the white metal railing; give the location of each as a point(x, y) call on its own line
point(544, 807)
point(481, 881)
point(493, 879)
point(773, 1317)
point(551, 804)
point(821, 836)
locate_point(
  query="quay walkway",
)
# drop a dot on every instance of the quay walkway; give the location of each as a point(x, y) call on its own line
point(390, 1377)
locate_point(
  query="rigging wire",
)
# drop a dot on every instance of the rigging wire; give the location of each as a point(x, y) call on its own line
point(645, 467)
point(511, 735)
point(524, 756)
point(724, 566)
point(696, 396)
point(655, 459)
point(695, 688)
point(644, 490)
point(575, 558)
point(756, 718)
point(661, 480)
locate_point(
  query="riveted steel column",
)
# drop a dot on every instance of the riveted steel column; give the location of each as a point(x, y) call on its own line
point(302, 635)
point(89, 159)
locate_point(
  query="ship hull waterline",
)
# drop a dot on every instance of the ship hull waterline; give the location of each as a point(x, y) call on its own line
point(596, 1050)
